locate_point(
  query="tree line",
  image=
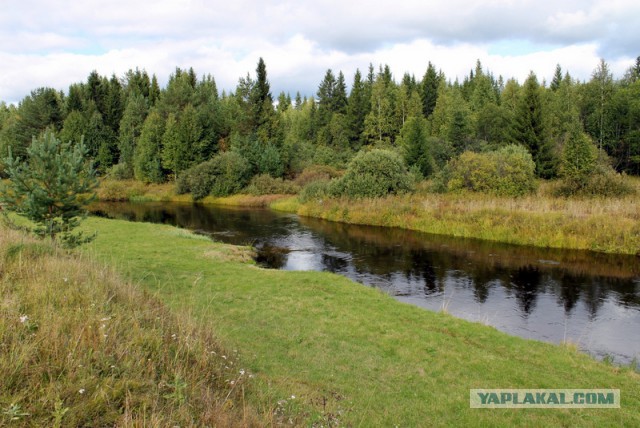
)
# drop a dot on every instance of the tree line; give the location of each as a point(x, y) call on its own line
point(133, 128)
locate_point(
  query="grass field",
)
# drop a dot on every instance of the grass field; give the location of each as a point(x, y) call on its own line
point(82, 346)
point(328, 351)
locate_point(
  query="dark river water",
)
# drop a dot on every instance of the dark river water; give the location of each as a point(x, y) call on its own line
point(588, 299)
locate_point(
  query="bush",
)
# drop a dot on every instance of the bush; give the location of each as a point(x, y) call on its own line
point(120, 171)
point(316, 173)
point(318, 189)
point(586, 172)
point(509, 171)
point(325, 155)
point(223, 175)
point(373, 174)
point(264, 184)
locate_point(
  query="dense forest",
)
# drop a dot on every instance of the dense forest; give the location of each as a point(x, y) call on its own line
point(133, 128)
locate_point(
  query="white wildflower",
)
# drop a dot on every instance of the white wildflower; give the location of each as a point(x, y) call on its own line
point(81, 391)
point(24, 319)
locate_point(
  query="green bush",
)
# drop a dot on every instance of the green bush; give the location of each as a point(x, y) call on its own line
point(314, 190)
point(223, 175)
point(315, 173)
point(264, 184)
point(120, 171)
point(509, 171)
point(373, 174)
point(587, 172)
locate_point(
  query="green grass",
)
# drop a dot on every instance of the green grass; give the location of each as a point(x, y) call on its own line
point(349, 354)
point(80, 346)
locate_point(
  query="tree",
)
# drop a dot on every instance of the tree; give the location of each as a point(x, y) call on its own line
point(147, 163)
point(429, 90)
point(379, 124)
point(373, 174)
point(579, 159)
point(51, 188)
point(529, 129)
point(357, 110)
point(414, 140)
point(130, 129)
point(261, 102)
point(557, 79)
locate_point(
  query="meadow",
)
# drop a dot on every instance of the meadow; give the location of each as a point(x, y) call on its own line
point(326, 351)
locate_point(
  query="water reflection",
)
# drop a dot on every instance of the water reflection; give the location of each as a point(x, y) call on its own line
point(590, 299)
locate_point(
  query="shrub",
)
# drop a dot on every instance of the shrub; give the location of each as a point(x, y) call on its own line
point(585, 172)
point(318, 189)
point(509, 171)
point(373, 174)
point(223, 175)
point(316, 173)
point(264, 184)
point(120, 171)
point(325, 155)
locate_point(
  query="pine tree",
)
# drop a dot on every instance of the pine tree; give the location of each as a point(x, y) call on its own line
point(51, 188)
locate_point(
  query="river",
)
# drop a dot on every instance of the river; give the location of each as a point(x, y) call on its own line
point(588, 299)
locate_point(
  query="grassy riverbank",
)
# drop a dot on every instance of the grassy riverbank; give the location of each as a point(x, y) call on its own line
point(81, 346)
point(332, 351)
point(604, 225)
point(610, 225)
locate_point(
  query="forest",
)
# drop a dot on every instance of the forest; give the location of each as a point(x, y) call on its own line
point(462, 134)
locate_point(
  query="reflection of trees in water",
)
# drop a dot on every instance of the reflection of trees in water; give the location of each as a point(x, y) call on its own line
point(525, 283)
point(334, 264)
point(424, 261)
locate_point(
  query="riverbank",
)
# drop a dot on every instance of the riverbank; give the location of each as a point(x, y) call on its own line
point(608, 225)
point(334, 352)
point(82, 346)
point(603, 225)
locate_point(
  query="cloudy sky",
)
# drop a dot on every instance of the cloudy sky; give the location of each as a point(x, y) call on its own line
point(55, 43)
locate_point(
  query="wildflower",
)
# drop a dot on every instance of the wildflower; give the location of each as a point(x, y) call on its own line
point(81, 391)
point(293, 397)
point(24, 319)
point(242, 372)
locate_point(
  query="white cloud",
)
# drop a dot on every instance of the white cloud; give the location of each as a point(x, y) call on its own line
point(55, 43)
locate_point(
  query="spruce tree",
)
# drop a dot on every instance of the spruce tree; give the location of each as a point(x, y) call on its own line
point(429, 90)
point(356, 110)
point(130, 129)
point(147, 160)
point(529, 129)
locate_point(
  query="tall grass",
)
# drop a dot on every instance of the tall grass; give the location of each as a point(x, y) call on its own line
point(598, 224)
point(81, 347)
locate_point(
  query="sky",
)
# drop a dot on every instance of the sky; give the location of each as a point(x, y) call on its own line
point(55, 43)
